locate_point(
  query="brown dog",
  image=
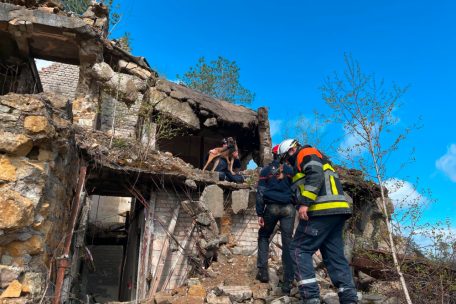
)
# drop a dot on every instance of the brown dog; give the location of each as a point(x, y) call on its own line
point(226, 151)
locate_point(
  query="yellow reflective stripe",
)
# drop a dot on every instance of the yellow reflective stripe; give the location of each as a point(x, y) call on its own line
point(297, 176)
point(306, 193)
point(328, 167)
point(333, 185)
point(326, 206)
point(309, 194)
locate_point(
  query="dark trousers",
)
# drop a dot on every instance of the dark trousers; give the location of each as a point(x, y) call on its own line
point(324, 233)
point(286, 215)
point(236, 178)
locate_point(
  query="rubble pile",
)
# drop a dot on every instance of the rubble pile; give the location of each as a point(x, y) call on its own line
point(231, 279)
point(126, 154)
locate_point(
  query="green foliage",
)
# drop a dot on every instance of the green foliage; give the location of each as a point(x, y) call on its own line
point(218, 78)
point(308, 130)
point(115, 17)
point(124, 42)
point(119, 143)
point(114, 14)
point(76, 6)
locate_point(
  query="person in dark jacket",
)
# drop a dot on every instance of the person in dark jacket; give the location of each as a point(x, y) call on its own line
point(323, 210)
point(224, 171)
point(274, 203)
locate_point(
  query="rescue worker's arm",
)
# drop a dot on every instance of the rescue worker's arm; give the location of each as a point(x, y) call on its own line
point(260, 205)
point(312, 167)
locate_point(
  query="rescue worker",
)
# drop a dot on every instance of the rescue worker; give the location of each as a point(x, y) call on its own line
point(273, 204)
point(323, 210)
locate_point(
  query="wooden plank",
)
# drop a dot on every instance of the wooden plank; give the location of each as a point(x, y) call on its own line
point(181, 253)
point(145, 249)
point(162, 260)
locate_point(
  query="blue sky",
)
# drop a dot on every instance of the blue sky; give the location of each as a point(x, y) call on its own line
point(286, 48)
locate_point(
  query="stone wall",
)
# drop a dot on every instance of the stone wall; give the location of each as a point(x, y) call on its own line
point(38, 174)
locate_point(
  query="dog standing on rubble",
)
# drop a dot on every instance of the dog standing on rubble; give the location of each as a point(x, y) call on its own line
point(226, 151)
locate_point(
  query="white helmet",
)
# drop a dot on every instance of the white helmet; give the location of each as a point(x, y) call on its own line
point(286, 145)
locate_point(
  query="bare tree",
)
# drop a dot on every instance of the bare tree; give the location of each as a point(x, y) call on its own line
point(308, 129)
point(364, 106)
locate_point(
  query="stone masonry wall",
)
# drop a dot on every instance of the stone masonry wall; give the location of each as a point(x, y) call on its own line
point(38, 172)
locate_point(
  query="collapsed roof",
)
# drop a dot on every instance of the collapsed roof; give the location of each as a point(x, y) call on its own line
point(43, 30)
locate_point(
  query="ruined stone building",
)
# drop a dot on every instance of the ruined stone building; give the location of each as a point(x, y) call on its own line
point(101, 195)
point(92, 186)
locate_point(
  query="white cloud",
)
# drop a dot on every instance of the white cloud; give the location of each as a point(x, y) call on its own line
point(352, 145)
point(403, 193)
point(40, 64)
point(426, 238)
point(447, 163)
point(275, 126)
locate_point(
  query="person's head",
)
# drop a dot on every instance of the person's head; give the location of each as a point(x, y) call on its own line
point(235, 154)
point(288, 148)
point(224, 142)
point(275, 152)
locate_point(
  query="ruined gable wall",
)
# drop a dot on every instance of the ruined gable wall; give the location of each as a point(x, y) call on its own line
point(60, 78)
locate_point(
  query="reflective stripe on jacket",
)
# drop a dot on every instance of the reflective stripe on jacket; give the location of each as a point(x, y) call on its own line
point(316, 184)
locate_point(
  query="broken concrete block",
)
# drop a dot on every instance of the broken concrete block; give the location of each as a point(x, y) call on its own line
point(190, 183)
point(211, 122)
point(189, 300)
point(203, 219)
point(273, 278)
point(163, 298)
point(212, 197)
point(236, 293)
point(330, 298)
point(178, 95)
point(13, 290)
point(193, 281)
point(134, 69)
point(282, 300)
point(365, 279)
point(115, 84)
point(181, 111)
point(240, 200)
point(197, 291)
point(102, 71)
point(261, 292)
point(212, 298)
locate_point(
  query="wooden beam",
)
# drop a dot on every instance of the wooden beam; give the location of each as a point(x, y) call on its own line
point(146, 248)
point(181, 253)
point(164, 253)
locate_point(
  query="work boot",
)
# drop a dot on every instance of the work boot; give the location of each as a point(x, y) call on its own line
point(311, 301)
point(263, 275)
